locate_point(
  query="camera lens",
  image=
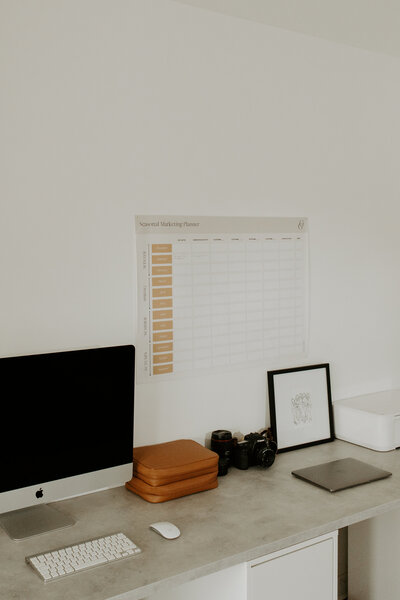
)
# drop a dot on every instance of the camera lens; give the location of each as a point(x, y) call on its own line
point(265, 457)
point(222, 444)
point(241, 456)
point(223, 465)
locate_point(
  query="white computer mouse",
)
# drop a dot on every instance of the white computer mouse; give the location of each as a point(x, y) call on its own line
point(168, 530)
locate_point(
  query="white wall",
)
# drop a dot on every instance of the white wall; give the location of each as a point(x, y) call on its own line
point(111, 109)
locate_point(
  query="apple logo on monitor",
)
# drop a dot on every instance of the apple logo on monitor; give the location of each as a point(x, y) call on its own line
point(39, 493)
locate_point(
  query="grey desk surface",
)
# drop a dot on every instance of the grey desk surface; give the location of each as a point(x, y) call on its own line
point(251, 513)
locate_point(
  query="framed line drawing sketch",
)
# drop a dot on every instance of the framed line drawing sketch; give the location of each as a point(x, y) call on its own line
point(300, 406)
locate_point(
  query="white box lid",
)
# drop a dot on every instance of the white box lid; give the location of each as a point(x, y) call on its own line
point(380, 403)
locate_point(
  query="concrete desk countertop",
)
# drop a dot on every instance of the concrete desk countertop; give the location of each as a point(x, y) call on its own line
point(250, 514)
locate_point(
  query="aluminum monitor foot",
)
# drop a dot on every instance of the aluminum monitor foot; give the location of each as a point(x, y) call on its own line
point(27, 522)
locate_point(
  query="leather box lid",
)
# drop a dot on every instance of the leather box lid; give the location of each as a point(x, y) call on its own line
point(160, 464)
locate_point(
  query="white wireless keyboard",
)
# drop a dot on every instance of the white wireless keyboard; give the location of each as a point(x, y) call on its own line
point(72, 559)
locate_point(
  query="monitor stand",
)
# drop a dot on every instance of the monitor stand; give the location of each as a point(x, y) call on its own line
point(27, 522)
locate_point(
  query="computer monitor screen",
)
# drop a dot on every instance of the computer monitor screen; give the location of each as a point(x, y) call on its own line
point(67, 424)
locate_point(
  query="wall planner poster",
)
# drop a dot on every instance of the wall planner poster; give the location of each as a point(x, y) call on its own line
point(219, 292)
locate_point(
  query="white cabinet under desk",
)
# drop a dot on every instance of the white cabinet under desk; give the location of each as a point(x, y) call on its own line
point(306, 571)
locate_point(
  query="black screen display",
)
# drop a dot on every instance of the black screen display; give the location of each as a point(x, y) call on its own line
point(65, 414)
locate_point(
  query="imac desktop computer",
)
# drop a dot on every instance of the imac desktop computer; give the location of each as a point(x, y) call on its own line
point(67, 430)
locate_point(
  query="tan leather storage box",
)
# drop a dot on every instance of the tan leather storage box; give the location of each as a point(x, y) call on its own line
point(162, 472)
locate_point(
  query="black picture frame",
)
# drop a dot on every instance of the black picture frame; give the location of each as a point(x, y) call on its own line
point(300, 405)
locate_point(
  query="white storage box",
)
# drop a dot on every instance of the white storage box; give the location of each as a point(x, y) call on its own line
point(372, 420)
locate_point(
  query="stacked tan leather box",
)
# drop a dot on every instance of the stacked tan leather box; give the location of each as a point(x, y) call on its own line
point(166, 471)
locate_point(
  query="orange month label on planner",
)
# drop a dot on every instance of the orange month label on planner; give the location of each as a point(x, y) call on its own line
point(161, 259)
point(161, 292)
point(160, 369)
point(162, 270)
point(163, 336)
point(162, 303)
point(158, 325)
point(162, 281)
point(161, 248)
point(162, 314)
point(162, 358)
point(163, 347)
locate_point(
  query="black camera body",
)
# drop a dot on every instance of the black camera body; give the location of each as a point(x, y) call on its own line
point(255, 449)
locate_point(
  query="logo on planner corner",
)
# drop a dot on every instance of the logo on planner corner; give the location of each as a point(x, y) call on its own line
point(39, 493)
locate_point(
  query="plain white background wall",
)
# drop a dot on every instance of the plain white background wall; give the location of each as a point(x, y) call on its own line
point(111, 109)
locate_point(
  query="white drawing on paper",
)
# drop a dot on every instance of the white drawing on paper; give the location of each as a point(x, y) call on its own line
point(302, 408)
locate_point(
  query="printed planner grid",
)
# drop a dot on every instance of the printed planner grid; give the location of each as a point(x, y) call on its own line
point(220, 301)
